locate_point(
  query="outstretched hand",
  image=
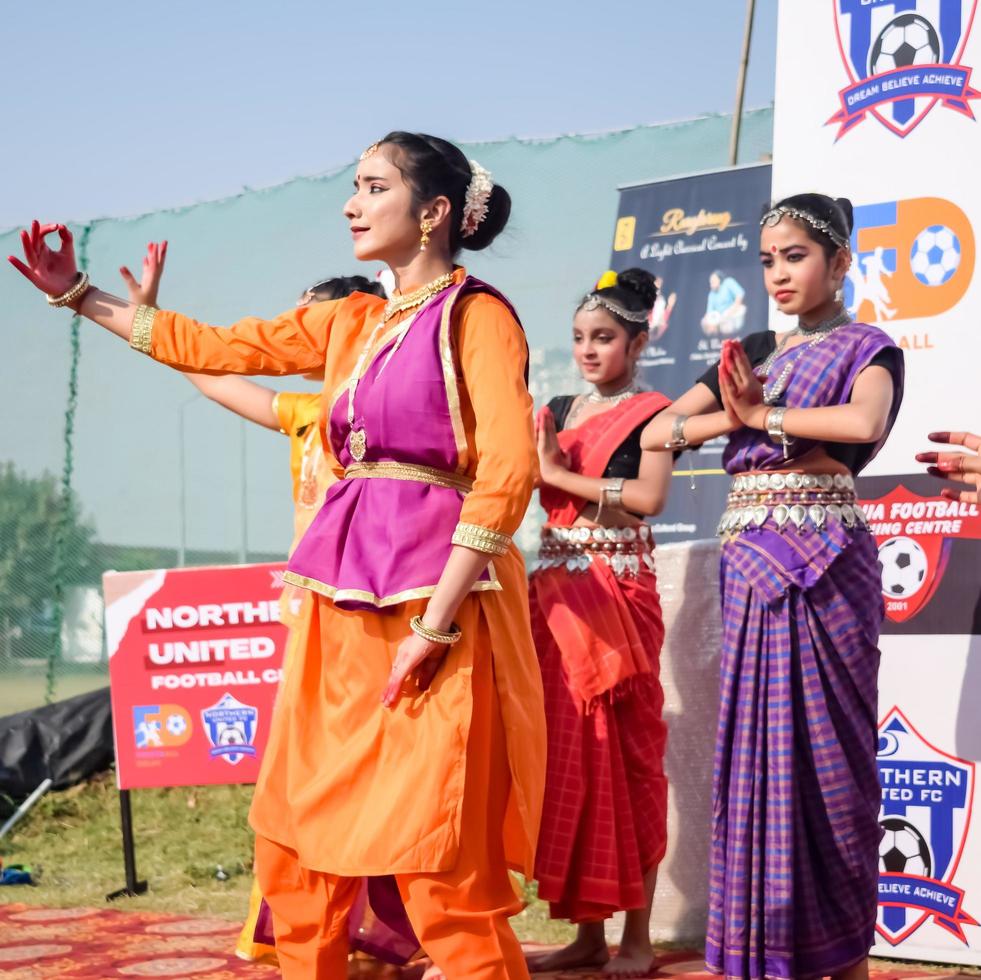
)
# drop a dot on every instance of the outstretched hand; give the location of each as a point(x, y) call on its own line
point(144, 292)
point(960, 467)
point(53, 272)
point(742, 392)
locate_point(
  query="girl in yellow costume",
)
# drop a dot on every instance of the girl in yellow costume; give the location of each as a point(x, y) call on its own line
point(409, 737)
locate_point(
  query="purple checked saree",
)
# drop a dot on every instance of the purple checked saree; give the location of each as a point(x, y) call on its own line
point(792, 890)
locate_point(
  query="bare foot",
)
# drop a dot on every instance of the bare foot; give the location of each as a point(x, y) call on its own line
point(632, 960)
point(433, 973)
point(583, 951)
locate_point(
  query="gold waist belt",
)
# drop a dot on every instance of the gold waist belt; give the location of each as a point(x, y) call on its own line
point(411, 472)
point(795, 499)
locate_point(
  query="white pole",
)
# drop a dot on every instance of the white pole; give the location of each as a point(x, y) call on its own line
point(24, 807)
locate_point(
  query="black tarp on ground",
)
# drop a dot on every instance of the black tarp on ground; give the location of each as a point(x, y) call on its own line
point(68, 741)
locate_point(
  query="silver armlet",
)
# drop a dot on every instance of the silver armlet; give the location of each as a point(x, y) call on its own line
point(678, 440)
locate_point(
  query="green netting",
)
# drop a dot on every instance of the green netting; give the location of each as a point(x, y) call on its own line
point(98, 441)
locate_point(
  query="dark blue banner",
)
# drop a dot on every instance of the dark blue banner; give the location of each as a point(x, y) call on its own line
point(699, 236)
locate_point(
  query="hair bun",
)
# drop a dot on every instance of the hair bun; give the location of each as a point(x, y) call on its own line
point(641, 283)
point(498, 212)
point(848, 211)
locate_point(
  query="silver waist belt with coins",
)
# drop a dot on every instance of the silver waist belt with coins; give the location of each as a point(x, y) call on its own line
point(624, 549)
point(801, 500)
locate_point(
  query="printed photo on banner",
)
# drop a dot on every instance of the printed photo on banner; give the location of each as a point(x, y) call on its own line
point(195, 660)
point(699, 238)
point(902, 59)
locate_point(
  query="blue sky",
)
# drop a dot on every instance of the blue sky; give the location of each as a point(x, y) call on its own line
point(117, 108)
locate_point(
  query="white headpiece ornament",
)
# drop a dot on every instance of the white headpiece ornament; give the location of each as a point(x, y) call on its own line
point(475, 203)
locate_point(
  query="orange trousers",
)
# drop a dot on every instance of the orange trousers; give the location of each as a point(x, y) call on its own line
point(460, 916)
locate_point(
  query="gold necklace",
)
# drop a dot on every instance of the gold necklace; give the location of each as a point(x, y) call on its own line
point(417, 297)
point(357, 442)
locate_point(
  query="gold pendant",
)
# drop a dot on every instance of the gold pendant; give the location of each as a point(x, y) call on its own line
point(357, 444)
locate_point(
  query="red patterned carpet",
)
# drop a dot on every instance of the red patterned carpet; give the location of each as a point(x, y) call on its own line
point(83, 944)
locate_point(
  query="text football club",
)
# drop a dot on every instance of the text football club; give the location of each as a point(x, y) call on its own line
point(927, 797)
point(902, 58)
point(195, 660)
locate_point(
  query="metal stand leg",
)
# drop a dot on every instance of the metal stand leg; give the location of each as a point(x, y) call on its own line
point(133, 887)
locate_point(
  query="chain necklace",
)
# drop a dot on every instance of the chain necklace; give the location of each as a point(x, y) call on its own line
point(595, 398)
point(819, 332)
point(357, 440)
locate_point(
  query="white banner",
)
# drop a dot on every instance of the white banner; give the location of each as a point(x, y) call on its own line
point(874, 102)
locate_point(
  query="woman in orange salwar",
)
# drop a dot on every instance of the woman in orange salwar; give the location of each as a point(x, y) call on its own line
point(597, 625)
point(378, 926)
point(409, 734)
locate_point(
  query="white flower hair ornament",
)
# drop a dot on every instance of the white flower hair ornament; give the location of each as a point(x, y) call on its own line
point(475, 203)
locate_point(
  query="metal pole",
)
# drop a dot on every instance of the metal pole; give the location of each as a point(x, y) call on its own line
point(133, 887)
point(182, 476)
point(737, 115)
point(25, 807)
point(243, 550)
point(182, 541)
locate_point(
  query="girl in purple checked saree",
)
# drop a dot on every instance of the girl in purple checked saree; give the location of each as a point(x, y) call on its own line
point(792, 890)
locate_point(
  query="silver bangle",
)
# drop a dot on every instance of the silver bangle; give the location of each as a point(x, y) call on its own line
point(611, 494)
point(775, 430)
point(678, 440)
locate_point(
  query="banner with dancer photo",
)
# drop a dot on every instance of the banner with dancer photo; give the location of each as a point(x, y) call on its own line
point(698, 235)
point(195, 660)
point(874, 102)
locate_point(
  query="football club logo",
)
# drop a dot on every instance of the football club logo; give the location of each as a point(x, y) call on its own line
point(231, 728)
point(926, 812)
point(160, 726)
point(902, 58)
point(914, 535)
point(911, 258)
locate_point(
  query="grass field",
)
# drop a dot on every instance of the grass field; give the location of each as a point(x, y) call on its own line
point(72, 840)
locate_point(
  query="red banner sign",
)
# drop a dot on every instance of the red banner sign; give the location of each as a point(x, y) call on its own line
point(195, 659)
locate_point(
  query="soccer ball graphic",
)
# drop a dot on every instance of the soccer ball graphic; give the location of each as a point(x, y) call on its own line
point(936, 255)
point(906, 40)
point(904, 568)
point(176, 724)
point(903, 849)
point(231, 736)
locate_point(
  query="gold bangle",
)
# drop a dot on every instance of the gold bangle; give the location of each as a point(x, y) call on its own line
point(141, 335)
point(70, 295)
point(435, 636)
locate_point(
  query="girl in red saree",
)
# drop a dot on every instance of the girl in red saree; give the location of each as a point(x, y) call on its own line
point(596, 619)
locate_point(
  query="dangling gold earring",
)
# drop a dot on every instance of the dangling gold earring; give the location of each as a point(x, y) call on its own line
point(425, 226)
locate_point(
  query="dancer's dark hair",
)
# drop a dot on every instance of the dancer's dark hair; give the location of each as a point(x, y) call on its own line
point(836, 211)
point(635, 291)
point(432, 167)
point(340, 286)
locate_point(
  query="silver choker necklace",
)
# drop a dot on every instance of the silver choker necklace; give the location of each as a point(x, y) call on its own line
point(838, 319)
point(618, 396)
